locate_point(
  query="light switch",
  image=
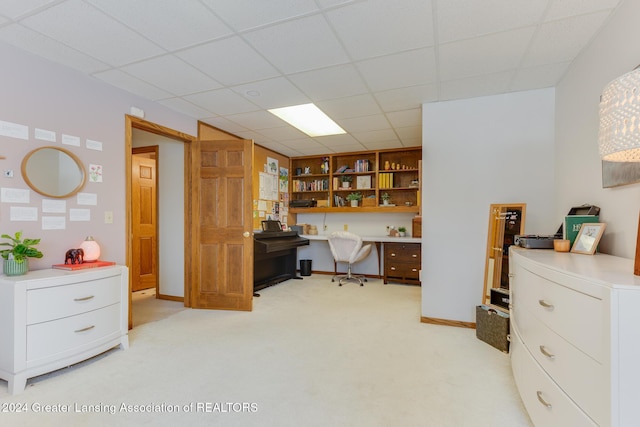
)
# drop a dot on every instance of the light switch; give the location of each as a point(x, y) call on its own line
point(108, 217)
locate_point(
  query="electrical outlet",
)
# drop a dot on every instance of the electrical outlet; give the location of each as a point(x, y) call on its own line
point(345, 227)
point(108, 217)
point(325, 227)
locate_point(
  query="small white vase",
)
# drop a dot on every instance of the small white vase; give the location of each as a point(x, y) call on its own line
point(354, 203)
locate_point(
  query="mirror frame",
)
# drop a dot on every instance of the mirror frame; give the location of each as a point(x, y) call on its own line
point(75, 158)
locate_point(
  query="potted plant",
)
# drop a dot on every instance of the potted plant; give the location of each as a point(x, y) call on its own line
point(385, 198)
point(346, 181)
point(354, 198)
point(16, 258)
point(402, 231)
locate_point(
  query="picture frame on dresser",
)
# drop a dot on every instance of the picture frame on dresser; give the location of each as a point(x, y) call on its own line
point(588, 238)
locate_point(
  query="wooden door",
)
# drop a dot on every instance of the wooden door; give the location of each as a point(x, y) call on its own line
point(144, 266)
point(222, 238)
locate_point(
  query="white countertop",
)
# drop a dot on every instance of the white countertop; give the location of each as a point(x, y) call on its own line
point(386, 239)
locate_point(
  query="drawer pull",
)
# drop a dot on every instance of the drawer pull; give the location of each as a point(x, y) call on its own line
point(544, 402)
point(84, 299)
point(545, 304)
point(415, 255)
point(393, 268)
point(414, 269)
point(546, 352)
point(88, 328)
point(393, 254)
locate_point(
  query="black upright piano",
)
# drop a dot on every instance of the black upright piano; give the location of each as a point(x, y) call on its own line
point(274, 254)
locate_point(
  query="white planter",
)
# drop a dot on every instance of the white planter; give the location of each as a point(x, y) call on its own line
point(354, 203)
point(346, 185)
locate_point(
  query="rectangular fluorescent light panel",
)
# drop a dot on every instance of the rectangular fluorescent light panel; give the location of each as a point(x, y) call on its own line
point(309, 119)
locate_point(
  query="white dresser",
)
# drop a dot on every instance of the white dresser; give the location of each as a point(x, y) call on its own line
point(50, 319)
point(575, 337)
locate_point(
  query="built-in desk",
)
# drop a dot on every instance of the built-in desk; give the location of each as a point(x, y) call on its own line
point(390, 244)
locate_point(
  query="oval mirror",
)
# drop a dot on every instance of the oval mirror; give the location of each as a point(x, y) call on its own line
point(53, 172)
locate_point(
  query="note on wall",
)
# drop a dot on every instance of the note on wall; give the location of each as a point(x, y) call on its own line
point(14, 130)
point(20, 213)
point(71, 140)
point(45, 135)
point(14, 195)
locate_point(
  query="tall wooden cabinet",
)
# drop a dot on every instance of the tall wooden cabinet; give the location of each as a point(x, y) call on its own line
point(371, 173)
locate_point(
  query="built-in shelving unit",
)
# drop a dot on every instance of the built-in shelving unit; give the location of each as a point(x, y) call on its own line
point(370, 173)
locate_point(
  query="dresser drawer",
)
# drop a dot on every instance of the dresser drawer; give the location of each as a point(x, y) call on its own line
point(577, 317)
point(62, 301)
point(59, 336)
point(403, 270)
point(409, 252)
point(546, 404)
point(577, 374)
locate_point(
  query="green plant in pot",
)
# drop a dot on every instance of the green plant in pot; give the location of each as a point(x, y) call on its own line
point(402, 231)
point(346, 181)
point(16, 258)
point(385, 198)
point(354, 198)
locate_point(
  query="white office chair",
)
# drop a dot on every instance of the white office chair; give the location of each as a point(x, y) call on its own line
point(347, 247)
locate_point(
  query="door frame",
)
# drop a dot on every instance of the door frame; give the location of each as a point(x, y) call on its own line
point(131, 123)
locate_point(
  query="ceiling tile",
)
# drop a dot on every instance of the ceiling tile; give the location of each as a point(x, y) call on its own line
point(43, 46)
point(273, 93)
point(185, 107)
point(283, 133)
point(223, 123)
point(361, 124)
point(300, 45)
point(337, 141)
point(408, 97)
point(416, 67)
point(327, 83)
point(484, 55)
point(560, 9)
point(132, 84)
point(475, 86)
point(212, 59)
point(383, 135)
point(400, 119)
point(161, 72)
point(560, 41)
point(222, 102)
point(383, 145)
point(256, 120)
point(81, 26)
point(463, 19)
point(539, 77)
point(410, 133)
point(16, 9)
point(311, 148)
point(171, 24)
point(331, 3)
point(246, 14)
point(353, 106)
point(407, 25)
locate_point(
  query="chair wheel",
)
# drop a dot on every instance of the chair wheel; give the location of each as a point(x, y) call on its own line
point(332, 280)
point(361, 284)
point(339, 284)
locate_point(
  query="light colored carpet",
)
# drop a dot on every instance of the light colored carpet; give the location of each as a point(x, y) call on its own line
point(310, 354)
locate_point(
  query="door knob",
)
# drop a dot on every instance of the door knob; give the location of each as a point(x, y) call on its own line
point(246, 234)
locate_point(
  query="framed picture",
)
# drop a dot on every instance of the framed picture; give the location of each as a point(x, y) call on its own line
point(588, 238)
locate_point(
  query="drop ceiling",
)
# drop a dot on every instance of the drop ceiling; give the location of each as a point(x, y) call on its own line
point(368, 64)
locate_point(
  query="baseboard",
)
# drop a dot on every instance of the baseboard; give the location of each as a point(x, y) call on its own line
point(170, 297)
point(447, 322)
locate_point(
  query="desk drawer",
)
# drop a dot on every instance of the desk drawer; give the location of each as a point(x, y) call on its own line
point(58, 336)
point(409, 252)
point(62, 301)
point(402, 270)
point(577, 317)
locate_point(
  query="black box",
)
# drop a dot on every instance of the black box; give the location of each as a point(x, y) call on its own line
point(500, 297)
point(492, 327)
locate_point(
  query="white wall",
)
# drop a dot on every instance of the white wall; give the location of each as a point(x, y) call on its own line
point(170, 210)
point(494, 149)
point(614, 51)
point(40, 94)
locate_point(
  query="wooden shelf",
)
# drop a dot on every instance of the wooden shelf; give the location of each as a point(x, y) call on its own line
point(359, 209)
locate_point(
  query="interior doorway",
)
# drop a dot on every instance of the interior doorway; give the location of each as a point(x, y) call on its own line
point(158, 260)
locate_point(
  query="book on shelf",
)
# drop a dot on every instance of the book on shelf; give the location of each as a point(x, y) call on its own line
point(363, 182)
point(341, 169)
point(83, 266)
